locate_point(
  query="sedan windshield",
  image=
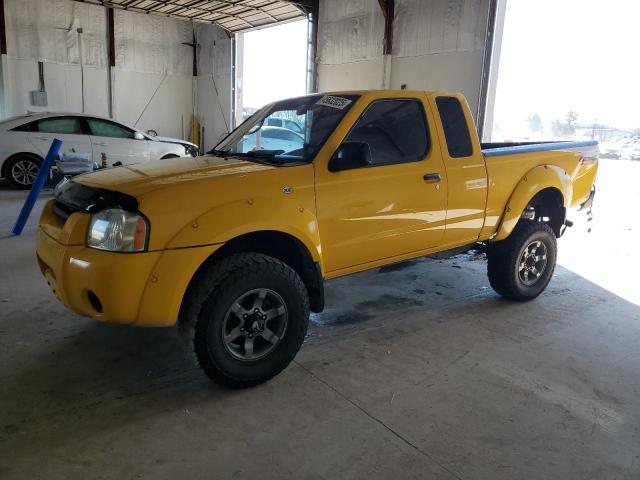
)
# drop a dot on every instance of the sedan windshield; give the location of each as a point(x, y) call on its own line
point(291, 130)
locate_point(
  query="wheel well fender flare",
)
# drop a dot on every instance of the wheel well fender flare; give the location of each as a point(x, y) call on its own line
point(535, 181)
point(265, 224)
point(221, 225)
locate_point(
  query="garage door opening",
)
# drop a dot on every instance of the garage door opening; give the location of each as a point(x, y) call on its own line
point(271, 64)
point(567, 71)
point(568, 83)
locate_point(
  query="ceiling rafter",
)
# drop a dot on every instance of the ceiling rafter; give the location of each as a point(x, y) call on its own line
point(231, 15)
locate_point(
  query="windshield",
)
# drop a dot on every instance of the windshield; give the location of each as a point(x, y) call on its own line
point(291, 130)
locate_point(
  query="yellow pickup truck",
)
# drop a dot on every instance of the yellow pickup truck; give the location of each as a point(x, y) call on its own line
point(235, 246)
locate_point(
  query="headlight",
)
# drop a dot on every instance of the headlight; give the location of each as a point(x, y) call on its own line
point(191, 150)
point(117, 230)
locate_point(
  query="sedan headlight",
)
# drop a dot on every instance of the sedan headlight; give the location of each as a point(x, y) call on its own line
point(191, 150)
point(117, 230)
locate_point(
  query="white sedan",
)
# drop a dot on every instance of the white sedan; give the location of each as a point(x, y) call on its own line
point(273, 138)
point(25, 140)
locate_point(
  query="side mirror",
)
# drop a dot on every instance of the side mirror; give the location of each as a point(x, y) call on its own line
point(138, 136)
point(152, 133)
point(350, 155)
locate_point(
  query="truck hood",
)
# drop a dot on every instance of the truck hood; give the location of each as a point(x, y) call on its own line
point(198, 201)
point(139, 179)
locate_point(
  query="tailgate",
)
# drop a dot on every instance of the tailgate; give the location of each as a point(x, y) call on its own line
point(584, 179)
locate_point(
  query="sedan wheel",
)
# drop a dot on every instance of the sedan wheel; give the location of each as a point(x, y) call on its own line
point(23, 171)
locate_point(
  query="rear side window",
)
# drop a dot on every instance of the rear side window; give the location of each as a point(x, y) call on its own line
point(27, 127)
point(396, 131)
point(456, 130)
point(64, 125)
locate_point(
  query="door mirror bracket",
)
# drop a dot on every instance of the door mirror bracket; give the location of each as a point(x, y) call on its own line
point(351, 155)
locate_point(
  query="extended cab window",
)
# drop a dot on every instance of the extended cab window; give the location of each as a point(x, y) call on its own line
point(395, 130)
point(454, 124)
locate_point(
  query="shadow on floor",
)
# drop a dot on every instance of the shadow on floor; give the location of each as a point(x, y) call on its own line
point(70, 378)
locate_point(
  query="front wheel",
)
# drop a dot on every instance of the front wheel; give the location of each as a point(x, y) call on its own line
point(22, 171)
point(521, 266)
point(253, 322)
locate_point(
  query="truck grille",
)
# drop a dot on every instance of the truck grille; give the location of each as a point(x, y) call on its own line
point(61, 211)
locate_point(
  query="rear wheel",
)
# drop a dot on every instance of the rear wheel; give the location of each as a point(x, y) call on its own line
point(521, 266)
point(252, 319)
point(22, 171)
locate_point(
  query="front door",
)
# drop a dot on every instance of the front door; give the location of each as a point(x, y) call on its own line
point(68, 129)
point(393, 206)
point(117, 142)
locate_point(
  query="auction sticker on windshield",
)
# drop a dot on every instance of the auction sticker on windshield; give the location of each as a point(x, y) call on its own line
point(333, 102)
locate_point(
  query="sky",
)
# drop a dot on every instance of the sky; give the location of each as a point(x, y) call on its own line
point(275, 63)
point(581, 55)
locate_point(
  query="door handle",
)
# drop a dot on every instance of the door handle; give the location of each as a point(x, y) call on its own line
point(43, 138)
point(432, 177)
point(100, 144)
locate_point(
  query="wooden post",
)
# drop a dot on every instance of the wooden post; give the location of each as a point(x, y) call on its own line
point(315, 9)
point(388, 11)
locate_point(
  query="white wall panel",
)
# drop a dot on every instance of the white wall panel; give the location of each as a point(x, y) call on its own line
point(437, 45)
point(364, 75)
point(64, 87)
point(152, 44)
point(155, 101)
point(153, 84)
point(423, 27)
point(213, 84)
point(453, 71)
point(349, 31)
point(46, 30)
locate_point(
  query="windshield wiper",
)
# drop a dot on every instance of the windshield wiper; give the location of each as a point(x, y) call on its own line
point(267, 157)
point(219, 153)
point(263, 153)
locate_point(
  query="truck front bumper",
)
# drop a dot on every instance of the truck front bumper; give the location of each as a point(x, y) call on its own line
point(143, 289)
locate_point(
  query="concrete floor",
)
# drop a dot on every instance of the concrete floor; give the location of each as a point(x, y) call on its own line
point(414, 371)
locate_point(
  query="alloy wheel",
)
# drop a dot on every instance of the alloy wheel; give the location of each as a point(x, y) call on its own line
point(254, 324)
point(533, 262)
point(25, 172)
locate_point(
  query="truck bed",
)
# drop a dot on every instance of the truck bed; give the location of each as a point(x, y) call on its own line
point(508, 163)
point(493, 149)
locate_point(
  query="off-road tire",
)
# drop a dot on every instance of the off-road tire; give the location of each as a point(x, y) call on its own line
point(504, 260)
point(209, 299)
point(22, 158)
